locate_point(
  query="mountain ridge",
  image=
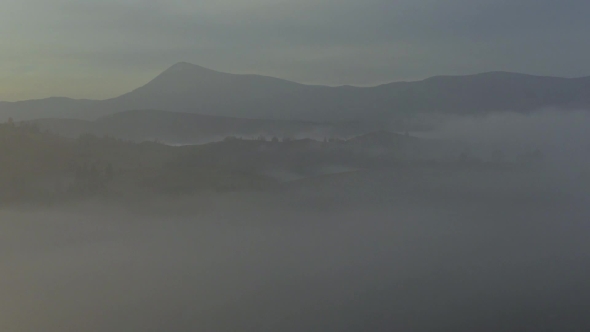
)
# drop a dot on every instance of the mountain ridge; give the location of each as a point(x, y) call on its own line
point(190, 88)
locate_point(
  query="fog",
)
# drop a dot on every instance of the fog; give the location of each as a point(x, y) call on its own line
point(564, 135)
point(376, 252)
point(400, 249)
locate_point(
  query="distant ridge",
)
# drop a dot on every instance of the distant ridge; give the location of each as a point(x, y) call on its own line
point(185, 128)
point(189, 88)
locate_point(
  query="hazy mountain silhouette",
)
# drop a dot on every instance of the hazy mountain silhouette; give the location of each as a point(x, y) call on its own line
point(193, 89)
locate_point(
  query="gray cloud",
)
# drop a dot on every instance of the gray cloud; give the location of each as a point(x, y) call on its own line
point(327, 41)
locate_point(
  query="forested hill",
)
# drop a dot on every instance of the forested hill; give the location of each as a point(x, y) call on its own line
point(36, 165)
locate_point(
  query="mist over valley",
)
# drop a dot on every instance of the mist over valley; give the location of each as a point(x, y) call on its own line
point(217, 202)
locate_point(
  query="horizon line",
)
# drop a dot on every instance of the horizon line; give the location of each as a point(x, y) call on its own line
point(185, 63)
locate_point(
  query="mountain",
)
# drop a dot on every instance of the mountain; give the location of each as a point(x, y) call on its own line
point(193, 89)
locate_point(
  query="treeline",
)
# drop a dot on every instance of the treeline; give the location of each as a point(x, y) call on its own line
point(40, 166)
point(28, 157)
point(35, 164)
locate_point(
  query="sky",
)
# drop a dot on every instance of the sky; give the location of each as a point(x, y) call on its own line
point(103, 48)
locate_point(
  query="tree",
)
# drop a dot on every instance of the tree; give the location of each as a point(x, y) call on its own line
point(34, 128)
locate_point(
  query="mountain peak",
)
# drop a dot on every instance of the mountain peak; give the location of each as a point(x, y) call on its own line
point(187, 67)
point(181, 77)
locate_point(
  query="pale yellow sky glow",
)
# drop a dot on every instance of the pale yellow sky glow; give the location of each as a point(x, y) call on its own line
point(85, 84)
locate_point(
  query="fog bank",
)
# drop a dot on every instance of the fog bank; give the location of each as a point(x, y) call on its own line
point(279, 263)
